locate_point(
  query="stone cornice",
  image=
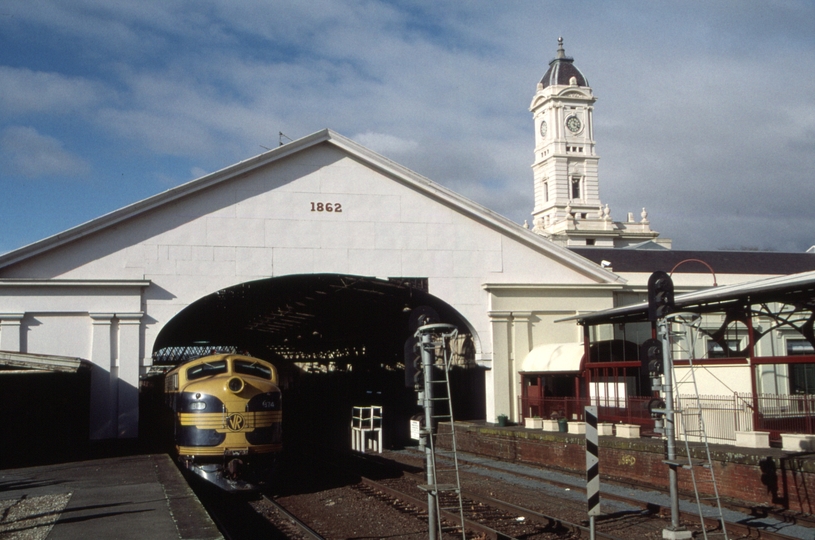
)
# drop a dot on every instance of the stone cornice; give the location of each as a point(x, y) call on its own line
point(553, 287)
point(22, 282)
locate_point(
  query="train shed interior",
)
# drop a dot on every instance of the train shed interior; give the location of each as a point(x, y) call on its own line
point(338, 342)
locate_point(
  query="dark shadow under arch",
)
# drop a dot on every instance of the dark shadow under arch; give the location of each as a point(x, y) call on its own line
point(338, 342)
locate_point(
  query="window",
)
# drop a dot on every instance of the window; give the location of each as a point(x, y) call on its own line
point(546, 191)
point(799, 347)
point(252, 368)
point(802, 376)
point(206, 369)
point(715, 350)
point(575, 187)
point(589, 241)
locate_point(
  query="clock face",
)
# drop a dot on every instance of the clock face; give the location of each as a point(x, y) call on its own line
point(573, 123)
point(543, 128)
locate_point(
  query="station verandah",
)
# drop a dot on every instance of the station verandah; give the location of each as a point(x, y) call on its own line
point(752, 356)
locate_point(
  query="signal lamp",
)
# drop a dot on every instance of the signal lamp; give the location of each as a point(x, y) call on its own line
point(660, 295)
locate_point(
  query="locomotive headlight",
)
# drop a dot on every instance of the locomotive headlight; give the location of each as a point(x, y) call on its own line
point(198, 406)
point(235, 384)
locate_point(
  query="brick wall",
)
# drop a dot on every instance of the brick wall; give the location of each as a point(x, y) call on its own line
point(768, 477)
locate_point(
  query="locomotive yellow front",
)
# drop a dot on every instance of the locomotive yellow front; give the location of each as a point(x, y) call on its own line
point(226, 407)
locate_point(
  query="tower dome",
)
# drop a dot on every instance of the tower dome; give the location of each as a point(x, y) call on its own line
point(561, 70)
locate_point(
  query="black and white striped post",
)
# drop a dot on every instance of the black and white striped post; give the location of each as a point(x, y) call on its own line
point(592, 467)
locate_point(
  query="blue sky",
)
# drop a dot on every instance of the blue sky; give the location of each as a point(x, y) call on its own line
point(705, 116)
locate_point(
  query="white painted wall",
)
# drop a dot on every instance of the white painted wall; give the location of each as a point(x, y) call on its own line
point(260, 224)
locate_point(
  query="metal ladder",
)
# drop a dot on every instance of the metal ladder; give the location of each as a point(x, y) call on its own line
point(683, 342)
point(445, 480)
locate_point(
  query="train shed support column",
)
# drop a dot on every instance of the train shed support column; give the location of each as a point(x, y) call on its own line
point(522, 344)
point(11, 331)
point(103, 404)
point(502, 378)
point(129, 364)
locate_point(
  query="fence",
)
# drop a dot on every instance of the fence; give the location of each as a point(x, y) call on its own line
point(723, 415)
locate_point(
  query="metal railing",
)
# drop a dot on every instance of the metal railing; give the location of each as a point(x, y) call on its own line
point(723, 414)
point(628, 409)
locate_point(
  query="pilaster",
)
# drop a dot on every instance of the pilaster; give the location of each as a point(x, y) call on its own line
point(103, 378)
point(11, 328)
point(129, 369)
point(522, 344)
point(502, 378)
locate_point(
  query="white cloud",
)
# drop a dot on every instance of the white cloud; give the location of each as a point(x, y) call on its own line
point(26, 152)
point(388, 145)
point(25, 91)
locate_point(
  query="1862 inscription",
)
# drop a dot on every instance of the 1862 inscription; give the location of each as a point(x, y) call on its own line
point(326, 207)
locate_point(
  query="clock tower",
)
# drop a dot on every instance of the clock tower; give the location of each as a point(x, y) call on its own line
point(567, 190)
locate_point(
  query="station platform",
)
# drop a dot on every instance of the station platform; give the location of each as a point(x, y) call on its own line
point(142, 496)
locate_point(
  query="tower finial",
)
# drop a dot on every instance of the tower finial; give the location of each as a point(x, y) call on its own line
point(560, 52)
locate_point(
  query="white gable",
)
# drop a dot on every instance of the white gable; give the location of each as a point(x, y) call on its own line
point(269, 217)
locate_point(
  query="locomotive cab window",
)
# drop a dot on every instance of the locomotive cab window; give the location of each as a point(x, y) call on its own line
point(252, 368)
point(206, 369)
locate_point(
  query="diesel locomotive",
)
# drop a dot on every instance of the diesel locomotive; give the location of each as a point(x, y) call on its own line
point(228, 416)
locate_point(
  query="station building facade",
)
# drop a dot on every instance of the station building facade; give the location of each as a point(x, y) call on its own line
point(105, 290)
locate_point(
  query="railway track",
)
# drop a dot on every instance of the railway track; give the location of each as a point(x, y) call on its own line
point(289, 523)
point(482, 510)
point(735, 529)
point(756, 528)
point(358, 486)
point(479, 510)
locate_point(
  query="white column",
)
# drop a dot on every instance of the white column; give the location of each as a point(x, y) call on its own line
point(502, 381)
point(522, 344)
point(11, 331)
point(129, 369)
point(103, 405)
point(590, 131)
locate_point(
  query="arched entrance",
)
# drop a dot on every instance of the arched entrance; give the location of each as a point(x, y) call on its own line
point(338, 342)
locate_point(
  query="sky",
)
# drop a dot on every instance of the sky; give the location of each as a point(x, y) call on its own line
point(705, 113)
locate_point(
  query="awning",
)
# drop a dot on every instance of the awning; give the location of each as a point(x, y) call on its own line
point(554, 358)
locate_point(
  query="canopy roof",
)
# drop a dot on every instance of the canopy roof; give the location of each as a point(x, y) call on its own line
point(797, 289)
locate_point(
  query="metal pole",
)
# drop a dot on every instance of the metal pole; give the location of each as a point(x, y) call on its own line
point(676, 530)
point(428, 358)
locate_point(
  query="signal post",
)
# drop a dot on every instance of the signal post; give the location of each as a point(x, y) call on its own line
point(660, 305)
